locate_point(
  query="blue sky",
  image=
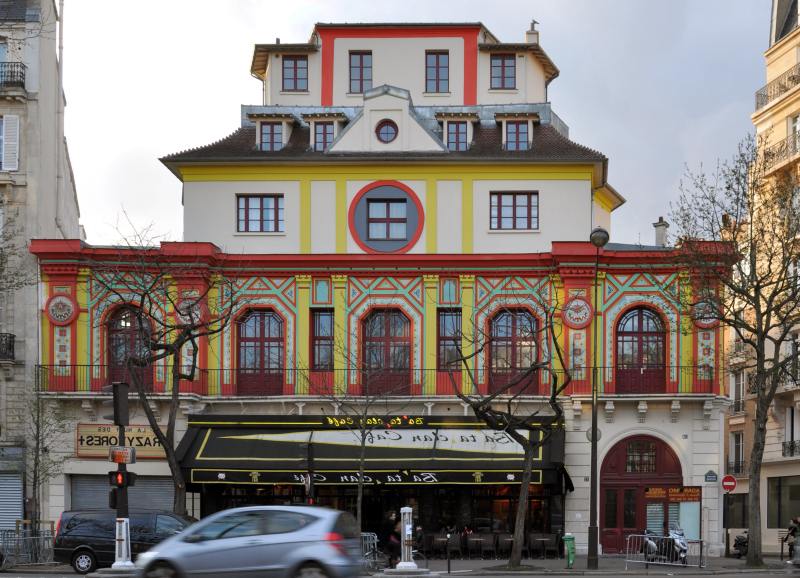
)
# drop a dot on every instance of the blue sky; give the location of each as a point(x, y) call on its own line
point(654, 85)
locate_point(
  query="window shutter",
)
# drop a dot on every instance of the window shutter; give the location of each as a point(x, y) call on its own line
point(10, 142)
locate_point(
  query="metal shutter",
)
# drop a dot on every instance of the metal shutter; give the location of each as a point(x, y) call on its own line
point(149, 493)
point(10, 500)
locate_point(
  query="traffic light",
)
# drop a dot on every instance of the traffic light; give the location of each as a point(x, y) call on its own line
point(121, 479)
point(112, 499)
point(119, 392)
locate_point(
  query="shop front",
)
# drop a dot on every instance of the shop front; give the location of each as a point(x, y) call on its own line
point(453, 471)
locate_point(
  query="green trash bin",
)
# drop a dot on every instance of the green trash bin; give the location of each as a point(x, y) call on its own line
point(569, 550)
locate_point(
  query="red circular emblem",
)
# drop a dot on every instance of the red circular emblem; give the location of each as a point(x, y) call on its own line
point(577, 313)
point(61, 309)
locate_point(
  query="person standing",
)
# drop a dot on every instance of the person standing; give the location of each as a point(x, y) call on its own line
point(791, 535)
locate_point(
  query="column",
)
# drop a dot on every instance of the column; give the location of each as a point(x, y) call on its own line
point(467, 283)
point(305, 216)
point(302, 359)
point(431, 283)
point(340, 364)
point(466, 216)
point(431, 205)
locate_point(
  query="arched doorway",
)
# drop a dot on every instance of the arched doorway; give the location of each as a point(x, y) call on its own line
point(260, 353)
point(629, 501)
point(387, 353)
point(641, 342)
point(512, 350)
point(127, 337)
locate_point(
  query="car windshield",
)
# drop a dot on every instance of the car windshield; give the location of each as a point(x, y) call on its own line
point(230, 526)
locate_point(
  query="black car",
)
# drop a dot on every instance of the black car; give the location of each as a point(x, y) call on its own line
point(85, 539)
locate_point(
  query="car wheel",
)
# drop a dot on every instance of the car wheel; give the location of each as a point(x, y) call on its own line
point(161, 570)
point(310, 571)
point(84, 562)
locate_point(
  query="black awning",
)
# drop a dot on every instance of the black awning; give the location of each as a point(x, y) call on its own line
point(451, 455)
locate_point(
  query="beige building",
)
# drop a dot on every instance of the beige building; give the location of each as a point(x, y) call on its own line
point(37, 200)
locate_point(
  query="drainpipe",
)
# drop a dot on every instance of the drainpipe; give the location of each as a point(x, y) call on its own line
point(60, 121)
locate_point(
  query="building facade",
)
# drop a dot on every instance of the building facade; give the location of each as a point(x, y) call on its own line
point(378, 216)
point(37, 200)
point(777, 110)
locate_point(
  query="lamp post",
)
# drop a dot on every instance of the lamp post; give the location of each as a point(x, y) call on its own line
point(599, 238)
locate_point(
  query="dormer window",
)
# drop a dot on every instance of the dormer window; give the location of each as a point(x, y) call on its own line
point(271, 136)
point(504, 71)
point(517, 135)
point(386, 131)
point(295, 73)
point(457, 135)
point(323, 135)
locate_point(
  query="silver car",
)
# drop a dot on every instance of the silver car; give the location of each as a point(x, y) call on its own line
point(263, 541)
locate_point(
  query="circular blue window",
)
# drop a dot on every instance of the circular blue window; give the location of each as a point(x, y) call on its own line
point(386, 131)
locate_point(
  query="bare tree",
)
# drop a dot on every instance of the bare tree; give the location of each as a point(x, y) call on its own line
point(504, 408)
point(738, 229)
point(170, 322)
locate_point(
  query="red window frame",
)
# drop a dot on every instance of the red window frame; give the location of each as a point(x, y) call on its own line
point(388, 343)
point(322, 339)
point(260, 336)
point(437, 72)
point(298, 83)
point(448, 336)
point(127, 333)
point(513, 340)
point(518, 129)
point(505, 65)
point(323, 138)
point(359, 82)
point(387, 220)
point(388, 137)
point(247, 203)
point(457, 135)
point(524, 216)
point(271, 136)
point(641, 352)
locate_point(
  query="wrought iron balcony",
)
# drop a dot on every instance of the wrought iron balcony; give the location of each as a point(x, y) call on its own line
point(737, 468)
point(781, 85)
point(791, 449)
point(737, 406)
point(782, 151)
point(12, 75)
point(7, 346)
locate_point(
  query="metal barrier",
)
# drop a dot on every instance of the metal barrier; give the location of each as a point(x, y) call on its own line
point(20, 550)
point(661, 550)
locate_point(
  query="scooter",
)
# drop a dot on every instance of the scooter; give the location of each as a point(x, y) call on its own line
point(740, 544)
point(680, 548)
point(650, 545)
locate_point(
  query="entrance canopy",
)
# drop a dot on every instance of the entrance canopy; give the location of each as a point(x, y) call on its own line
point(398, 450)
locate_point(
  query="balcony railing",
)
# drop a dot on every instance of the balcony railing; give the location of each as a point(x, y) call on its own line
point(12, 74)
point(791, 449)
point(781, 151)
point(737, 468)
point(7, 346)
point(394, 382)
point(737, 406)
point(781, 85)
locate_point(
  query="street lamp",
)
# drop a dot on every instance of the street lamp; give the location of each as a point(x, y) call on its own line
point(599, 238)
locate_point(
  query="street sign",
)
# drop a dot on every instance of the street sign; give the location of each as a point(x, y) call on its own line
point(122, 454)
point(711, 476)
point(728, 483)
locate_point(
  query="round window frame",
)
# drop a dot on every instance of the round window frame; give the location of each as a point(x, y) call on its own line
point(380, 125)
point(413, 238)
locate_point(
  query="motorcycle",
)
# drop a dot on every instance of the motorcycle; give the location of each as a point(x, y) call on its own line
point(679, 546)
point(740, 544)
point(650, 545)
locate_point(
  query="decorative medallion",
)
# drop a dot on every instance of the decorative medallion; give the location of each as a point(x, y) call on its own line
point(577, 313)
point(61, 309)
point(704, 314)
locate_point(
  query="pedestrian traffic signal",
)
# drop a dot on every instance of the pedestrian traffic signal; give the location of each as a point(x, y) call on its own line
point(112, 499)
point(121, 479)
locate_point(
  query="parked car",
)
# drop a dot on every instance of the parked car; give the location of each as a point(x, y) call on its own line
point(85, 539)
point(275, 541)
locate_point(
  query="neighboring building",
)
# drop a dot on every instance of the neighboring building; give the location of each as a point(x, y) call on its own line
point(776, 119)
point(37, 200)
point(377, 212)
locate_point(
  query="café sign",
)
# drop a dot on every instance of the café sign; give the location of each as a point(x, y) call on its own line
point(96, 440)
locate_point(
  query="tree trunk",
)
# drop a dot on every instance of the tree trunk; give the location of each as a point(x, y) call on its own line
point(522, 503)
point(360, 492)
point(754, 557)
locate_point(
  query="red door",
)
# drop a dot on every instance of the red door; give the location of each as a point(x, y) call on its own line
point(387, 354)
point(640, 353)
point(127, 339)
point(260, 354)
point(620, 517)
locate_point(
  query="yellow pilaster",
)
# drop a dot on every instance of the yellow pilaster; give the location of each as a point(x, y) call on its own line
point(82, 353)
point(467, 283)
point(686, 342)
point(341, 215)
point(303, 285)
point(305, 216)
point(466, 216)
point(597, 331)
point(431, 206)
point(340, 364)
point(214, 352)
point(559, 298)
point(429, 360)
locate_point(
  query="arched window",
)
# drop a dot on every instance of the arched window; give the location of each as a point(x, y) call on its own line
point(641, 342)
point(387, 353)
point(512, 350)
point(260, 349)
point(127, 338)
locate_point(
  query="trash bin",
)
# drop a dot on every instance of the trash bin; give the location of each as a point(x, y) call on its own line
point(569, 549)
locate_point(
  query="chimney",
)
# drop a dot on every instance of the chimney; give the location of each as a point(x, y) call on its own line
point(532, 35)
point(661, 232)
point(277, 40)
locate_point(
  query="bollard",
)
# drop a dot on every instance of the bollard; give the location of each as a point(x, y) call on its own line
point(406, 540)
point(447, 549)
point(569, 550)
